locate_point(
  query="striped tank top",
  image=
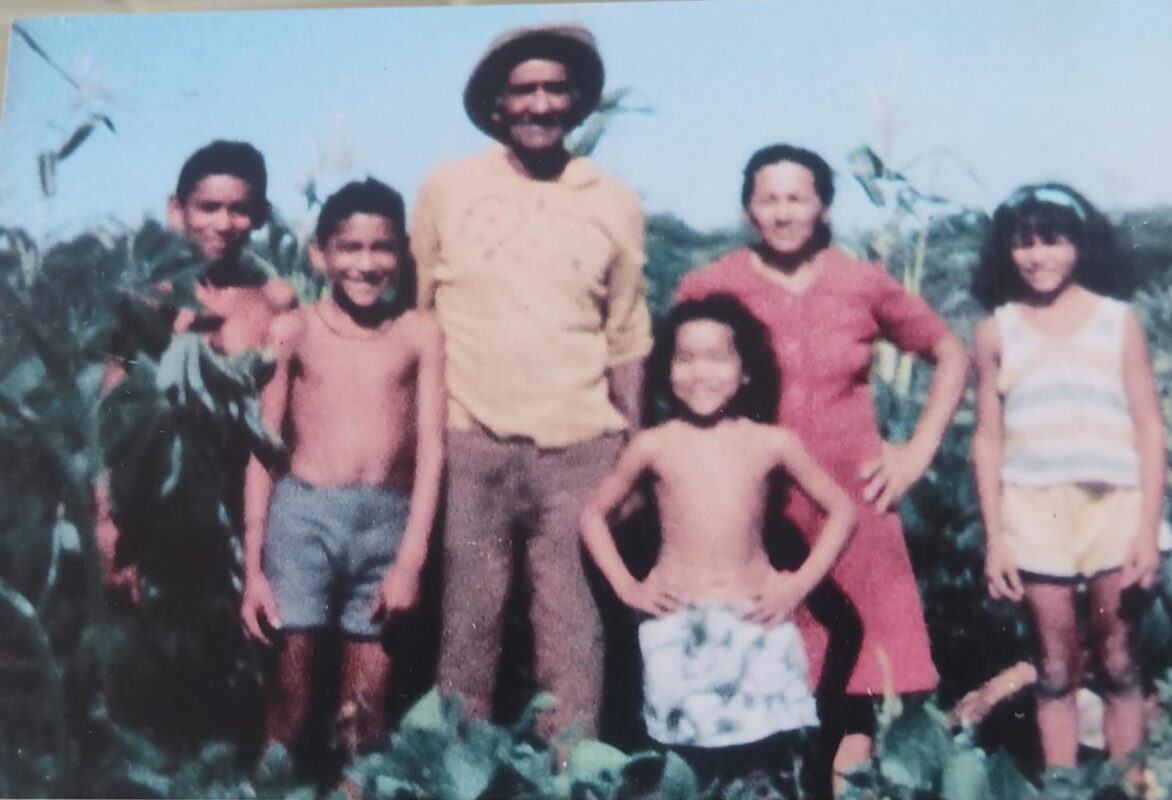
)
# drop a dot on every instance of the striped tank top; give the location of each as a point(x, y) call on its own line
point(1065, 413)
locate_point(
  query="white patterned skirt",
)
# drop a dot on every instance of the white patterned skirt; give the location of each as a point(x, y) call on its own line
point(713, 679)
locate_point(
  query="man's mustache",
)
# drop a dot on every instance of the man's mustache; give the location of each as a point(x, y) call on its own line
point(550, 120)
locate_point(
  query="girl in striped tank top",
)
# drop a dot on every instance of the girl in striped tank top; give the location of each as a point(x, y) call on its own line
point(1068, 450)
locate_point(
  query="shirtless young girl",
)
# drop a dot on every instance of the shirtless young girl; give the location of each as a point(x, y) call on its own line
point(341, 538)
point(724, 666)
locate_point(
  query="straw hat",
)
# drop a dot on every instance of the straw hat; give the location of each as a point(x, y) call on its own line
point(572, 45)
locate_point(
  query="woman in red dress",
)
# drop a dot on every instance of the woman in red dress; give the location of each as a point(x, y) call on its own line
point(825, 310)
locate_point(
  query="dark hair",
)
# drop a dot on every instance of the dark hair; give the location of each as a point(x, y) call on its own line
point(371, 196)
point(780, 153)
point(1047, 211)
point(238, 159)
point(756, 399)
point(776, 154)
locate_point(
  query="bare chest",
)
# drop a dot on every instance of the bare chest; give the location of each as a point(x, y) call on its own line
point(233, 318)
point(357, 367)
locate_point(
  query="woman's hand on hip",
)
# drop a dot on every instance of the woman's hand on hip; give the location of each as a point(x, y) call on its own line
point(892, 472)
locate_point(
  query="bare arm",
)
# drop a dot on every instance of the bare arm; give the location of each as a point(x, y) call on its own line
point(1139, 384)
point(901, 465)
point(106, 534)
point(628, 321)
point(400, 587)
point(626, 384)
point(779, 598)
point(1000, 573)
point(425, 242)
point(284, 334)
point(599, 541)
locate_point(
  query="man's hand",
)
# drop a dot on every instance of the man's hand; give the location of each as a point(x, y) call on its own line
point(1001, 575)
point(651, 596)
point(397, 592)
point(259, 604)
point(890, 474)
point(777, 600)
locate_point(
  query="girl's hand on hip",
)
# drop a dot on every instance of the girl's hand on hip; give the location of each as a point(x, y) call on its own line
point(1142, 564)
point(1001, 575)
point(652, 596)
point(889, 474)
point(776, 601)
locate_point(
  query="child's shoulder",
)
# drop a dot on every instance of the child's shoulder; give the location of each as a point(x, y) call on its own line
point(770, 435)
point(279, 295)
point(288, 327)
point(649, 443)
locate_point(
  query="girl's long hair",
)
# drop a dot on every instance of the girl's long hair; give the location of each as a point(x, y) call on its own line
point(1047, 211)
point(757, 398)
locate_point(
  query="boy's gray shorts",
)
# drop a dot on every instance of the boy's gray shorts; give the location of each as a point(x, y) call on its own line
point(327, 549)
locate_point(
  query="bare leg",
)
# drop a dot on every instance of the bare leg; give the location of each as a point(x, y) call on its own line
point(1123, 723)
point(366, 667)
point(289, 690)
point(854, 749)
point(1059, 669)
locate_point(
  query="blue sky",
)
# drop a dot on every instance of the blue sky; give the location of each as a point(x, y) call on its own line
point(1077, 90)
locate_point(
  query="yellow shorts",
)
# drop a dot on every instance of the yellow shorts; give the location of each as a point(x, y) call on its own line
point(1071, 530)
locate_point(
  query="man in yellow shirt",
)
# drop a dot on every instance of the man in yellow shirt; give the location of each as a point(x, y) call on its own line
point(532, 260)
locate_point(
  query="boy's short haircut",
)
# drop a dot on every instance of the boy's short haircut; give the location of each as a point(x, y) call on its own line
point(238, 159)
point(372, 196)
point(361, 197)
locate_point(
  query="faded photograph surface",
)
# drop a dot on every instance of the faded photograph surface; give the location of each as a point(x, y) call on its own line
point(667, 399)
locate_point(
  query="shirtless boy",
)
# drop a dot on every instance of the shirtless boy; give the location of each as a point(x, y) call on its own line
point(358, 391)
point(219, 199)
point(725, 677)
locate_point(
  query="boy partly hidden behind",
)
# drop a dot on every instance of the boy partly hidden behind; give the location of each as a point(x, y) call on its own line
point(724, 669)
point(358, 393)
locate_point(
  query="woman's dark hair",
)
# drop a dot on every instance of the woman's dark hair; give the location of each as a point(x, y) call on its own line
point(1047, 211)
point(780, 153)
point(758, 396)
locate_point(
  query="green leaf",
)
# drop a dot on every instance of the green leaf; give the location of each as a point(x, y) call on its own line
point(914, 749)
point(75, 140)
point(175, 468)
point(966, 776)
point(469, 771)
point(679, 781)
point(526, 724)
point(389, 787)
point(274, 771)
point(596, 766)
point(47, 169)
point(432, 712)
point(138, 782)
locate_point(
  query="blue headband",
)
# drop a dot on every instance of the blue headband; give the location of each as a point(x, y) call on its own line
point(1048, 194)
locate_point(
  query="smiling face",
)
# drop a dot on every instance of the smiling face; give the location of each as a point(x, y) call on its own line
point(1046, 267)
point(534, 104)
point(705, 367)
point(216, 215)
point(785, 208)
point(361, 258)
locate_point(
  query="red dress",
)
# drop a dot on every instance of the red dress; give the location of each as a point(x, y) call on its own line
point(822, 337)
